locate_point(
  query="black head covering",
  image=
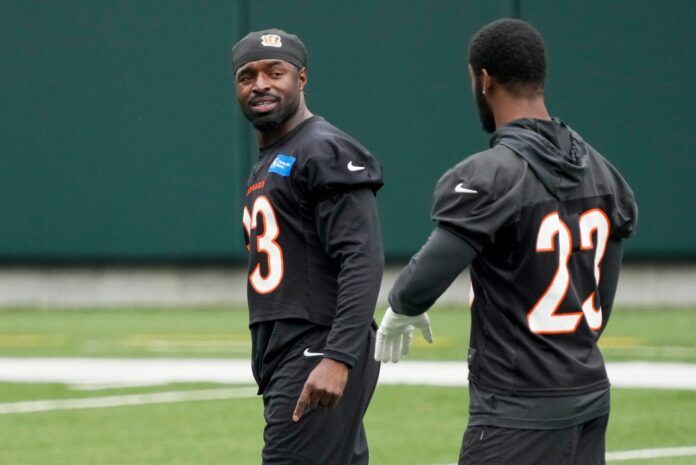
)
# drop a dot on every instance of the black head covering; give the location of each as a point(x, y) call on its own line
point(269, 44)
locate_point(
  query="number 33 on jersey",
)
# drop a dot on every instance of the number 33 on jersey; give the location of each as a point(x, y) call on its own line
point(265, 244)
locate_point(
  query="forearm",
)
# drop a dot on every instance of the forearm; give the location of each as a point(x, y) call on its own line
point(430, 272)
point(349, 229)
point(359, 283)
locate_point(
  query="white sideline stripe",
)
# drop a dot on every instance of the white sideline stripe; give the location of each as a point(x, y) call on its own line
point(646, 454)
point(110, 372)
point(107, 372)
point(651, 453)
point(131, 399)
point(642, 375)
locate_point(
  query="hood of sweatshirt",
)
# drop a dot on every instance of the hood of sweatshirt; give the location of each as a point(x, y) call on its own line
point(556, 154)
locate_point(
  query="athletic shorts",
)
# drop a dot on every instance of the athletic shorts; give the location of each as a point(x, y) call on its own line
point(577, 445)
point(321, 437)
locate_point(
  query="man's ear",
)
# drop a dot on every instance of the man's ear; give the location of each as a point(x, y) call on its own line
point(486, 81)
point(302, 77)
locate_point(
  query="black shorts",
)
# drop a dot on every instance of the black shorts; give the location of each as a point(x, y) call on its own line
point(321, 437)
point(577, 445)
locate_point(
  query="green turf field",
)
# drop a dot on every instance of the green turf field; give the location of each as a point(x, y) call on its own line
point(406, 424)
point(633, 334)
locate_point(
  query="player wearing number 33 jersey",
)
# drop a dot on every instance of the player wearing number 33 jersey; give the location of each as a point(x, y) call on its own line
point(540, 218)
point(315, 262)
point(289, 215)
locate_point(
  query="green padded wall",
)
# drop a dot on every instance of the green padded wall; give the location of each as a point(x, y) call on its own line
point(121, 138)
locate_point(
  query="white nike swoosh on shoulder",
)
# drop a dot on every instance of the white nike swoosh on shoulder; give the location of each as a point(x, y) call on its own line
point(463, 190)
point(352, 167)
point(307, 353)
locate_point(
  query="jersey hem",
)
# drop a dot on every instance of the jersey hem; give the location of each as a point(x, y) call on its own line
point(317, 320)
point(541, 424)
point(603, 384)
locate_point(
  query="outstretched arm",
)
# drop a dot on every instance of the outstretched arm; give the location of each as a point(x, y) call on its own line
point(430, 272)
point(426, 277)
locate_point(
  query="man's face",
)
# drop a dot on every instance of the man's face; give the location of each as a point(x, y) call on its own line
point(484, 109)
point(269, 92)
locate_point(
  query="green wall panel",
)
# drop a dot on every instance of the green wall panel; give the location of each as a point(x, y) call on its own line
point(119, 133)
point(622, 74)
point(120, 136)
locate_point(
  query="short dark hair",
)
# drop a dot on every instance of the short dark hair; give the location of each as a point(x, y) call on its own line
point(512, 52)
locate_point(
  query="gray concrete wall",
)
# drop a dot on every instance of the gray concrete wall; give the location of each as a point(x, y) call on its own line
point(640, 285)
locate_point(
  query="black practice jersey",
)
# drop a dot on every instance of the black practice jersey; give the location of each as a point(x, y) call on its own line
point(540, 216)
point(291, 272)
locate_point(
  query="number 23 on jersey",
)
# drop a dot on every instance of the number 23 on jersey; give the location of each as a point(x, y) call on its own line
point(542, 318)
point(265, 244)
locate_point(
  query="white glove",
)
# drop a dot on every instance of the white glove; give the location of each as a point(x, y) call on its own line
point(395, 333)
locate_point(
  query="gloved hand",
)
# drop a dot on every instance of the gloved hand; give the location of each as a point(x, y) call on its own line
point(395, 333)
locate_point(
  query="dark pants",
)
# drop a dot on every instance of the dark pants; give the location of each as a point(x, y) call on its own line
point(321, 437)
point(578, 445)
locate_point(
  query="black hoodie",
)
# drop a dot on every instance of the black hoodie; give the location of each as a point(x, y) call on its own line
point(545, 214)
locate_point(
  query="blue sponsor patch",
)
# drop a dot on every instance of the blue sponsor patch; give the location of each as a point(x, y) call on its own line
point(282, 164)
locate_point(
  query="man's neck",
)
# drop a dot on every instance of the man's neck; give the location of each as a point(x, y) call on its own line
point(516, 108)
point(264, 139)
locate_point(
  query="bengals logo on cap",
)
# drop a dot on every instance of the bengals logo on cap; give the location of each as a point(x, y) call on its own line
point(271, 40)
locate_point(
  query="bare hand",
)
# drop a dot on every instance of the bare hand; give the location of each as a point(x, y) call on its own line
point(323, 388)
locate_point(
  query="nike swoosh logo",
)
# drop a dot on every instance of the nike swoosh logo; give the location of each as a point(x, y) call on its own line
point(307, 353)
point(352, 167)
point(463, 190)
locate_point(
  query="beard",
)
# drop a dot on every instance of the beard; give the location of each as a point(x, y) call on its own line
point(484, 110)
point(269, 122)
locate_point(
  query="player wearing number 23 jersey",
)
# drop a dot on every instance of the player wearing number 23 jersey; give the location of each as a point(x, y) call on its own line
point(540, 218)
point(540, 221)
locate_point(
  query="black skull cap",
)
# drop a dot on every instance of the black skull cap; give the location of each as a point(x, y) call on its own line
point(267, 45)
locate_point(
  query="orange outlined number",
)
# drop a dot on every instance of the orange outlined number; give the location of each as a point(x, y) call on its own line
point(266, 244)
point(591, 221)
point(542, 318)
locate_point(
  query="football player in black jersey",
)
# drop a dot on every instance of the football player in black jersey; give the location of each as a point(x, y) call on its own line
point(540, 218)
point(315, 262)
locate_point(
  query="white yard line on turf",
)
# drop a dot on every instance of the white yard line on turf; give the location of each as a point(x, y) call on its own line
point(131, 399)
point(646, 454)
point(93, 373)
point(651, 453)
point(110, 373)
